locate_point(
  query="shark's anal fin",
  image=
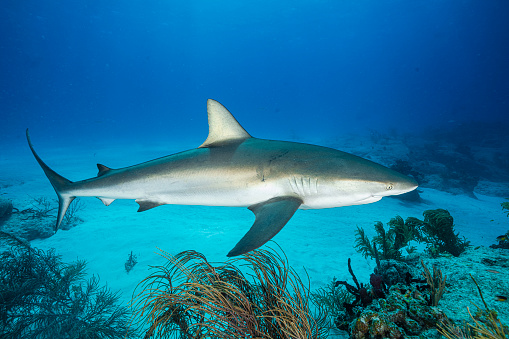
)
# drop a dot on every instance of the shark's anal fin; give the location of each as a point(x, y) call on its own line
point(147, 204)
point(271, 216)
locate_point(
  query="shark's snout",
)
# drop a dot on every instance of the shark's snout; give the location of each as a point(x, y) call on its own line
point(404, 184)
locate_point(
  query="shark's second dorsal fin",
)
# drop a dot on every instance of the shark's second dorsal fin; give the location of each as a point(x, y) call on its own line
point(223, 127)
point(102, 169)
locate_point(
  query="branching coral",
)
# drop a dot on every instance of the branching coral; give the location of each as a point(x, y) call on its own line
point(436, 283)
point(437, 230)
point(334, 298)
point(362, 293)
point(41, 297)
point(193, 298)
point(390, 242)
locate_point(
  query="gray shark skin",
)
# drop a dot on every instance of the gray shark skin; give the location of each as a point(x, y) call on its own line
point(231, 168)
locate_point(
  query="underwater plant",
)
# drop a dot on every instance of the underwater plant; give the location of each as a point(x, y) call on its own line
point(36, 221)
point(363, 293)
point(436, 230)
point(130, 262)
point(505, 207)
point(71, 218)
point(486, 324)
point(333, 298)
point(42, 297)
point(41, 208)
point(390, 242)
point(189, 297)
point(436, 283)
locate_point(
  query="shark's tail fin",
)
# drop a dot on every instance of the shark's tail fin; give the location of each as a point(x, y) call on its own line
point(61, 185)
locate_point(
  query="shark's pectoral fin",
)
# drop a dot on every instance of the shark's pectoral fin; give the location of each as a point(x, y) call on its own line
point(271, 216)
point(147, 204)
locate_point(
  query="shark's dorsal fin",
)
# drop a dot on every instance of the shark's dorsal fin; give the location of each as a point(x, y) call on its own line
point(102, 170)
point(223, 127)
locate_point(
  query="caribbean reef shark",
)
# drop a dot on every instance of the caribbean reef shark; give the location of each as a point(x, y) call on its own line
point(232, 168)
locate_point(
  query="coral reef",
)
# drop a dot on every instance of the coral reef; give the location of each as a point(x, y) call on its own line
point(404, 313)
point(436, 230)
point(404, 310)
point(45, 298)
point(362, 295)
point(436, 283)
point(390, 242)
point(396, 271)
point(192, 298)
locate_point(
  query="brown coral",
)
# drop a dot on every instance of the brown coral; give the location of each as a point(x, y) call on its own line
point(194, 298)
point(436, 283)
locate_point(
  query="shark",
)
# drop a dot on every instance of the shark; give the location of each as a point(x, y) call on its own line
point(231, 168)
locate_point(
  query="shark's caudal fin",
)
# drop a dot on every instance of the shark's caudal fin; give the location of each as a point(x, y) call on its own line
point(60, 184)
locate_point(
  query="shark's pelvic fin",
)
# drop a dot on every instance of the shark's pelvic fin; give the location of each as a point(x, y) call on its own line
point(271, 216)
point(106, 201)
point(147, 204)
point(61, 185)
point(223, 127)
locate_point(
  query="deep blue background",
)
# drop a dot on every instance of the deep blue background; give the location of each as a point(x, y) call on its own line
point(144, 69)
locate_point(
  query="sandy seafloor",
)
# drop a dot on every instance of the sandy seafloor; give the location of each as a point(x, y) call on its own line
point(320, 241)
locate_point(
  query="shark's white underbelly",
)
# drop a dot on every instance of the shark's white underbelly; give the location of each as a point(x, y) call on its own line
point(210, 190)
point(207, 192)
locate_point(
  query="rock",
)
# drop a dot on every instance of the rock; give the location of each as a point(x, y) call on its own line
point(403, 314)
point(393, 271)
point(488, 267)
point(28, 229)
point(494, 189)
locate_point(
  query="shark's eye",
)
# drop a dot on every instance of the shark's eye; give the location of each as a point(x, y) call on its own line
point(389, 187)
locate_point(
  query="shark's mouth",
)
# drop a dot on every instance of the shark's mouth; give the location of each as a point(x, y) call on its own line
point(369, 200)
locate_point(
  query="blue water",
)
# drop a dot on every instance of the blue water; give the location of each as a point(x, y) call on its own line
point(143, 69)
point(123, 81)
